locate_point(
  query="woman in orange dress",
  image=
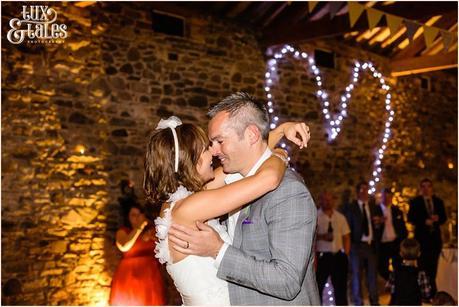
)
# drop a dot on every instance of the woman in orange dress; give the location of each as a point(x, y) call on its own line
point(137, 280)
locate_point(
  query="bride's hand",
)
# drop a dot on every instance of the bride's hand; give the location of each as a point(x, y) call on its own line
point(204, 242)
point(292, 129)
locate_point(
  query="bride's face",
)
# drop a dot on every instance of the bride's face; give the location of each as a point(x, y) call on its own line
point(204, 167)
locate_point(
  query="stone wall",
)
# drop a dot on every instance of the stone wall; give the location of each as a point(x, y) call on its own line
point(75, 117)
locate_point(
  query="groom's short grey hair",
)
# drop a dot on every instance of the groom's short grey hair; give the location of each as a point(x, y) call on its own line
point(243, 110)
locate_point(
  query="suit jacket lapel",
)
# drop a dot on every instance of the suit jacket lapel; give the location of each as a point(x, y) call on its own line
point(244, 213)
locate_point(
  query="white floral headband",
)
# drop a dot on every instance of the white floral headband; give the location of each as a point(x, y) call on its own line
point(172, 123)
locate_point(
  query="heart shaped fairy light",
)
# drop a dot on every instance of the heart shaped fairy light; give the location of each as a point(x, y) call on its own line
point(334, 121)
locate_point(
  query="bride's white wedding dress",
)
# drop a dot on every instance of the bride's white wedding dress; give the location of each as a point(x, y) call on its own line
point(195, 277)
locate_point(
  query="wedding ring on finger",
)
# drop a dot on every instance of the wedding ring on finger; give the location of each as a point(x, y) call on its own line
point(187, 244)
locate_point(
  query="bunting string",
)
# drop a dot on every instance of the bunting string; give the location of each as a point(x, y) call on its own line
point(374, 16)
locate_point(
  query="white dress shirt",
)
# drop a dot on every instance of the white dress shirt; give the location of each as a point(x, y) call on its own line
point(389, 234)
point(340, 228)
point(370, 230)
point(234, 215)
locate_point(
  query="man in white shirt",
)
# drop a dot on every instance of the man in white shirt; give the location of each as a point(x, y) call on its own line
point(393, 232)
point(333, 247)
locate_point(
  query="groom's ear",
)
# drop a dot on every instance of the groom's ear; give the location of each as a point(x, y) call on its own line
point(253, 134)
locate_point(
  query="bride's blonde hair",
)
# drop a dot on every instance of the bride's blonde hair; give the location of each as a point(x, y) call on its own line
point(159, 178)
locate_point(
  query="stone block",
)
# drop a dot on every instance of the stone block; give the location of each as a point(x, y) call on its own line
point(51, 272)
point(58, 295)
point(198, 101)
point(35, 284)
point(79, 247)
point(133, 54)
point(57, 232)
point(58, 247)
point(56, 282)
point(79, 118)
point(70, 279)
point(79, 217)
point(127, 68)
point(122, 122)
point(120, 133)
point(111, 70)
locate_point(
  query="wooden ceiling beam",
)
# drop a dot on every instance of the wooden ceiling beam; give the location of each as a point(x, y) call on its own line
point(219, 8)
point(250, 12)
point(306, 30)
point(418, 10)
point(445, 22)
point(261, 10)
point(291, 15)
point(423, 64)
point(237, 9)
point(276, 13)
point(320, 12)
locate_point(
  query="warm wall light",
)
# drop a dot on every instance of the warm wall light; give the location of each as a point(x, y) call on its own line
point(450, 165)
point(80, 148)
point(421, 164)
point(84, 3)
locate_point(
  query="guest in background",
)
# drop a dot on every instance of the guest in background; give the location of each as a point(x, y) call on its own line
point(427, 213)
point(364, 219)
point(137, 280)
point(393, 233)
point(408, 284)
point(333, 247)
point(443, 298)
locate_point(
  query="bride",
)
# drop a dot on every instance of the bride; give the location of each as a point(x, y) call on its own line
point(179, 175)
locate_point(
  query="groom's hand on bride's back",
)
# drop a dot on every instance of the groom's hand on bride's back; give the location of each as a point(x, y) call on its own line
point(204, 242)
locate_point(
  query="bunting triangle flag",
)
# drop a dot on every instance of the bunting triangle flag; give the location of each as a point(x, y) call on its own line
point(393, 22)
point(334, 8)
point(447, 38)
point(411, 28)
point(355, 10)
point(374, 16)
point(312, 5)
point(430, 33)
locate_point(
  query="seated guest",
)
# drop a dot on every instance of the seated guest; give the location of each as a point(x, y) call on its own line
point(393, 232)
point(333, 246)
point(408, 284)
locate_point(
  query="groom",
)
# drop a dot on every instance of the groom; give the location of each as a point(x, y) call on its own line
point(270, 261)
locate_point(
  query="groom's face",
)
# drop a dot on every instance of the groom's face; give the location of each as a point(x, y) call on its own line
point(227, 145)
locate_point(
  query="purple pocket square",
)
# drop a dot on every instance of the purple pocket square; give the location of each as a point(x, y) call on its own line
point(247, 221)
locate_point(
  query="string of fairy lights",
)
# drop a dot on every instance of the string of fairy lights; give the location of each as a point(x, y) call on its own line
point(333, 121)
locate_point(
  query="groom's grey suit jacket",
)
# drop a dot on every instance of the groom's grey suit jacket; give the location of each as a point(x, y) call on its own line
point(271, 259)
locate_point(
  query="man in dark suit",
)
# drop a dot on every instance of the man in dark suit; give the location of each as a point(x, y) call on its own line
point(393, 231)
point(427, 214)
point(364, 219)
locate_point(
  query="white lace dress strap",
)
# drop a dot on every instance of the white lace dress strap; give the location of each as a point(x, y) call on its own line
point(162, 225)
